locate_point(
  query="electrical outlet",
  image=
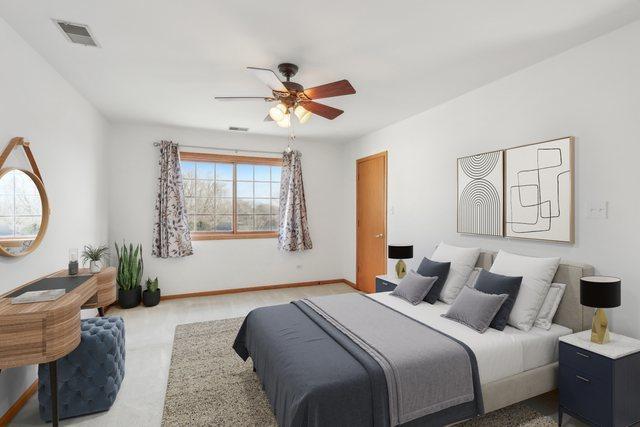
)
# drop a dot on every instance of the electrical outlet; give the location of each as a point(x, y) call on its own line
point(598, 210)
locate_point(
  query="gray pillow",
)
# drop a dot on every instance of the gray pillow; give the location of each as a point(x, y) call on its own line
point(475, 309)
point(413, 287)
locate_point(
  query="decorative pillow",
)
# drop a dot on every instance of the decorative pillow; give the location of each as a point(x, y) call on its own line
point(497, 284)
point(414, 287)
point(550, 306)
point(440, 270)
point(475, 309)
point(462, 260)
point(537, 274)
point(471, 281)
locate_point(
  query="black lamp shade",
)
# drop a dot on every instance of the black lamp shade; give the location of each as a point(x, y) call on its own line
point(600, 291)
point(400, 251)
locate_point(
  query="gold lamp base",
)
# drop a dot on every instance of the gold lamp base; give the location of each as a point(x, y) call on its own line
point(401, 269)
point(600, 327)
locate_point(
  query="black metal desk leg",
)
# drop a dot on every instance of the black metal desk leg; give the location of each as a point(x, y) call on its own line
point(53, 381)
point(100, 311)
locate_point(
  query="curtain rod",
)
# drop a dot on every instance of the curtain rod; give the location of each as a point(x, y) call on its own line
point(235, 150)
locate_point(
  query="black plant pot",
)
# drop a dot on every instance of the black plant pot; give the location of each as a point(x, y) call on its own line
point(149, 299)
point(129, 298)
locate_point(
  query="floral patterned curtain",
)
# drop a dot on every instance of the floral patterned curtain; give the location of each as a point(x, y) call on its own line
point(293, 231)
point(171, 237)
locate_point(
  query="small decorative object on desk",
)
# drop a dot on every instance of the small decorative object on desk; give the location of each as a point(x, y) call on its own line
point(151, 296)
point(95, 256)
point(600, 292)
point(73, 262)
point(38, 296)
point(401, 252)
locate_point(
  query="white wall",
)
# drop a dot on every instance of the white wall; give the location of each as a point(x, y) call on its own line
point(68, 141)
point(591, 92)
point(222, 264)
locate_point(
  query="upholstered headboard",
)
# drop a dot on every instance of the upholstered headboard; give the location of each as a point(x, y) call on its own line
point(485, 259)
point(571, 313)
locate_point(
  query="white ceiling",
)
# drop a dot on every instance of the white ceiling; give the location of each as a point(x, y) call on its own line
point(163, 61)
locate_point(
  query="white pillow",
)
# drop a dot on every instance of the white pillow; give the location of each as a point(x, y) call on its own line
point(550, 306)
point(462, 262)
point(471, 281)
point(537, 274)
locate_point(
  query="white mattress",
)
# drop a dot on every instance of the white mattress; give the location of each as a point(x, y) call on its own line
point(500, 354)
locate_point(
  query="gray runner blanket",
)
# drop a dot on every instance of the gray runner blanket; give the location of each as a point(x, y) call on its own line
point(426, 371)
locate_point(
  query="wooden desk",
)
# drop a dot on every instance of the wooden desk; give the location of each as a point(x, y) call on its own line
point(43, 332)
point(106, 293)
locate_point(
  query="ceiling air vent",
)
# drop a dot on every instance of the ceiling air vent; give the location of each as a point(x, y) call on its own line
point(238, 129)
point(77, 33)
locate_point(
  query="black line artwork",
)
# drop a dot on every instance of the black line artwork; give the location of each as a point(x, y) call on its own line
point(480, 201)
point(536, 200)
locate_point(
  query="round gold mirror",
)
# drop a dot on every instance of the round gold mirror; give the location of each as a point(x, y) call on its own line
point(24, 212)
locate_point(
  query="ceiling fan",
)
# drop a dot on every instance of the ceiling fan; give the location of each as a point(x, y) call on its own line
point(292, 97)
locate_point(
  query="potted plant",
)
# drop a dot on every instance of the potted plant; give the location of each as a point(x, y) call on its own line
point(94, 255)
point(130, 268)
point(151, 296)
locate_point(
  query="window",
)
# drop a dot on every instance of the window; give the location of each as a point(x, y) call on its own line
point(231, 196)
point(20, 207)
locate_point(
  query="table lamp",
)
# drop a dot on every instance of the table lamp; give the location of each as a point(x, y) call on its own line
point(600, 292)
point(401, 252)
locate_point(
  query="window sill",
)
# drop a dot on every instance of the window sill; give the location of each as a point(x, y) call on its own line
point(232, 236)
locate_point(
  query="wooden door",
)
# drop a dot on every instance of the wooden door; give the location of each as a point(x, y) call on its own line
point(371, 220)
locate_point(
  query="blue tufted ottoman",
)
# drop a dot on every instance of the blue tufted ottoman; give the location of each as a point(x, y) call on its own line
point(90, 376)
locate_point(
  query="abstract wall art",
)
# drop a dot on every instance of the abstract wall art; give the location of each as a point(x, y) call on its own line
point(539, 200)
point(480, 194)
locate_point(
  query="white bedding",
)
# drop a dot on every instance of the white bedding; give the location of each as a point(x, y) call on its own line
point(500, 354)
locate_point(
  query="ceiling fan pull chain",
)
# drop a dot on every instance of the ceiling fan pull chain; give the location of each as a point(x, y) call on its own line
point(292, 135)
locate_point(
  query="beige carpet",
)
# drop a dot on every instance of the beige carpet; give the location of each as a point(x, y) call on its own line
point(210, 385)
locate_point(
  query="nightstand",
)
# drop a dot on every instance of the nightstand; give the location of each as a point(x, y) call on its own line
point(600, 383)
point(386, 282)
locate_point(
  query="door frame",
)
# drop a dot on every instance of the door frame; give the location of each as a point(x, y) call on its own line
point(384, 155)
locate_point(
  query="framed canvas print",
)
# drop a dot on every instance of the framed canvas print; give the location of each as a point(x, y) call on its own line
point(539, 191)
point(480, 194)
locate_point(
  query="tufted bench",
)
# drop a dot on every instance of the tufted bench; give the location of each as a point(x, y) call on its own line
point(90, 376)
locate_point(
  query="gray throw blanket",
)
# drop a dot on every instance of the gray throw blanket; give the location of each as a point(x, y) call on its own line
point(426, 371)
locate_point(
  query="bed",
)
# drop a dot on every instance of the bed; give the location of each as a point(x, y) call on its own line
point(317, 372)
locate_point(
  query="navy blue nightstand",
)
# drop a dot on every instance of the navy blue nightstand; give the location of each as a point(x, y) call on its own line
point(386, 283)
point(600, 383)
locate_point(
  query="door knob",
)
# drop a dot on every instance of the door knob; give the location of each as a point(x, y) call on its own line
point(379, 236)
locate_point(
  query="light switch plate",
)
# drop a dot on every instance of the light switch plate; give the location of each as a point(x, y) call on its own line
point(598, 210)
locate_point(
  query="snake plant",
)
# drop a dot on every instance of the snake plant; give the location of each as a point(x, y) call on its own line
point(130, 266)
point(152, 285)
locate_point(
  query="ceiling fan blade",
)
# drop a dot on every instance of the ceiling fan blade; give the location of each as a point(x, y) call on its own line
point(339, 88)
point(245, 98)
point(321, 109)
point(268, 118)
point(269, 78)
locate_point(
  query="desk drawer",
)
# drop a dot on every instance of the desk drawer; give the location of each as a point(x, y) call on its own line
point(384, 286)
point(586, 361)
point(585, 395)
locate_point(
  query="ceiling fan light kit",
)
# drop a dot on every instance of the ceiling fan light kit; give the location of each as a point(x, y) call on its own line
point(293, 98)
point(285, 122)
point(302, 114)
point(278, 112)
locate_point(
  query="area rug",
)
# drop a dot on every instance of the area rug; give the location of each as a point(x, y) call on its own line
point(210, 385)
